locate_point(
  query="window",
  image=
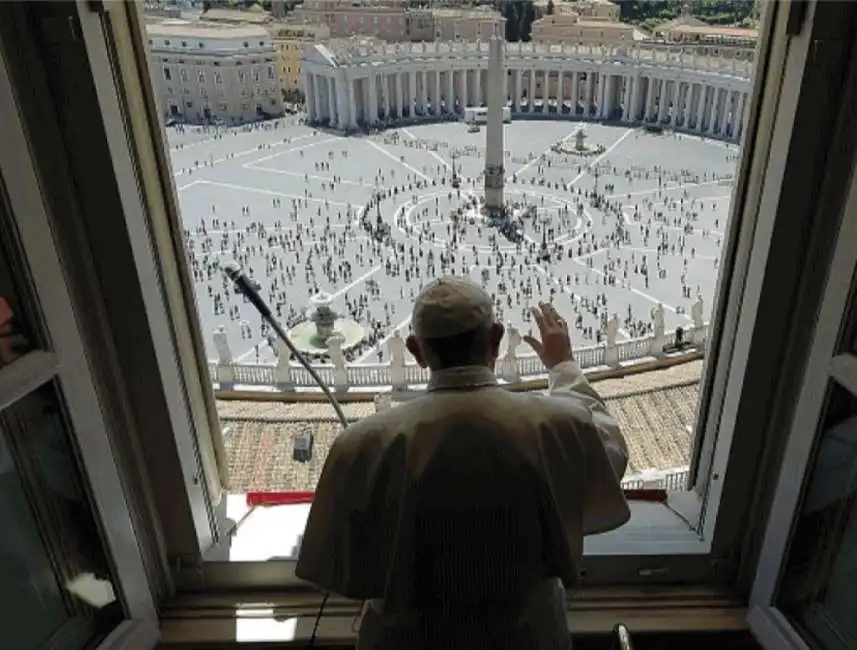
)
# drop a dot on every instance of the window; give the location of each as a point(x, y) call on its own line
point(246, 44)
point(759, 276)
point(189, 104)
point(224, 107)
point(256, 74)
point(183, 74)
point(271, 73)
point(200, 76)
point(218, 79)
point(242, 77)
point(56, 470)
point(203, 92)
point(168, 75)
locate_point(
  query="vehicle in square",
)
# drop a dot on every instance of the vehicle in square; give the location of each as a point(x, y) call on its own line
point(479, 115)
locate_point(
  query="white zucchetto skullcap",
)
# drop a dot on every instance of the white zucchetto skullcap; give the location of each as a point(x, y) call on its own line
point(450, 306)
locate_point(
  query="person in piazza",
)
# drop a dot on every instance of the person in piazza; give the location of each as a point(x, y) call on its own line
point(459, 516)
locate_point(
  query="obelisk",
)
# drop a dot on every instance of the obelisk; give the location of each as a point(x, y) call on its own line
point(494, 172)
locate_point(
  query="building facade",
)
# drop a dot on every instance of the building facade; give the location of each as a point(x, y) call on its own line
point(384, 19)
point(598, 10)
point(707, 34)
point(289, 39)
point(205, 73)
point(465, 24)
point(395, 21)
point(570, 28)
point(364, 84)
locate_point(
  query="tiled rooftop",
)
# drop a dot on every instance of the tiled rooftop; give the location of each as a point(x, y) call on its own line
point(653, 409)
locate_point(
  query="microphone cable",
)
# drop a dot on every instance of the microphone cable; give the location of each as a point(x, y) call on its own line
point(248, 289)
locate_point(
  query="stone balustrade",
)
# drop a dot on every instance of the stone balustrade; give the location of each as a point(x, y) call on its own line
point(399, 375)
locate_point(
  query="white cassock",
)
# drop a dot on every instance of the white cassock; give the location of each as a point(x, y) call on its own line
point(460, 515)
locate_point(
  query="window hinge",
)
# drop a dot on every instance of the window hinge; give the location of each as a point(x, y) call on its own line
point(797, 17)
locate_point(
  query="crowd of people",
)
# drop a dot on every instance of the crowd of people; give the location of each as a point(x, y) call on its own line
point(580, 243)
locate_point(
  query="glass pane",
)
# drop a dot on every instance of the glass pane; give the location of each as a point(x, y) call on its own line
point(55, 579)
point(819, 587)
point(15, 335)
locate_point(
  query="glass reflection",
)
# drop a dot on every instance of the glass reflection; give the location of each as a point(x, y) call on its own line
point(55, 579)
point(15, 336)
point(819, 587)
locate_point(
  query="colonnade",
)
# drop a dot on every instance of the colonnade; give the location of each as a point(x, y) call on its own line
point(358, 95)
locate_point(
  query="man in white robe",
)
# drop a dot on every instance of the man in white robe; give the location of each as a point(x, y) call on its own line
point(460, 515)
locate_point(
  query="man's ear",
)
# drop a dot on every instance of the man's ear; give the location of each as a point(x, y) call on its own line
point(414, 348)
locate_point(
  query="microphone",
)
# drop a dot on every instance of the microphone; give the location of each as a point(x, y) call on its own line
point(249, 289)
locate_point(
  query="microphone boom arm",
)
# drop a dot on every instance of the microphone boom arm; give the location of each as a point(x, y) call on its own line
point(247, 288)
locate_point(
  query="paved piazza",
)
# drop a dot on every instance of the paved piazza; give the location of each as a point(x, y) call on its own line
point(639, 224)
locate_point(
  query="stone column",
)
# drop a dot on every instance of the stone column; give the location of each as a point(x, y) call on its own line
point(604, 93)
point(400, 82)
point(436, 101)
point(494, 172)
point(532, 92)
point(650, 98)
point(626, 97)
point(424, 95)
point(309, 89)
point(663, 100)
point(465, 100)
point(700, 107)
point(738, 131)
point(478, 87)
point(341, 103)
point(712, 120)
point(575, 91)
point(636, 89)
point(352, 104)
point(675, 106)
point(331, 101)
point(373, 99)
point(412, 91)
point(450, 91)
point(516, 102)
point(546, 93)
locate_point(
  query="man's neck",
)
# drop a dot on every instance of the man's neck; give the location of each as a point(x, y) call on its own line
point(462, 377)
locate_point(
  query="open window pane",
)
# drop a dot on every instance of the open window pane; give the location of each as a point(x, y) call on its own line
point(57, 583)
point(619, 191)
point(817, 590)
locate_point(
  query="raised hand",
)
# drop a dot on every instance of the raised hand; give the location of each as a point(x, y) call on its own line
point(555, 344)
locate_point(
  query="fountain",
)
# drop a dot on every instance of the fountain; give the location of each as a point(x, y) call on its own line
point(580, 147)
point(311, 335)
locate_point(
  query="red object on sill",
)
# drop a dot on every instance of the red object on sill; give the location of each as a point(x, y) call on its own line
point(293, 498)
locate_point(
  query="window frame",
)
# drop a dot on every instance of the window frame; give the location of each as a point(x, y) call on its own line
point(613, 557)
point(67, 366)
point(827, 363)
